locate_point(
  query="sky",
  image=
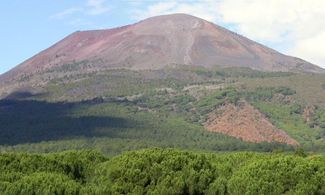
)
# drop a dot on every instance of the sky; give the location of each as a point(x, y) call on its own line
point(292, 27)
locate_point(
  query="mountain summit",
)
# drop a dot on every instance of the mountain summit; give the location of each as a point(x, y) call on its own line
point(159, 41)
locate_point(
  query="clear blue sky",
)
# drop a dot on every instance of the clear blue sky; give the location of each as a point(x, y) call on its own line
point(30, 26)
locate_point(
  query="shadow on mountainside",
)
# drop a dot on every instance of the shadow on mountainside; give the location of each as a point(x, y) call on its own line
point(30, 121)
point(23, 94)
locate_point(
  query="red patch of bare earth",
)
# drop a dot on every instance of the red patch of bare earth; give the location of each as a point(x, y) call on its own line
point(307, 115)
point(246, 123)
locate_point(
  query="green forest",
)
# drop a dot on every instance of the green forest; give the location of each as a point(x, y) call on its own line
point(157, 118)
point(162, 171)
point(110, 127)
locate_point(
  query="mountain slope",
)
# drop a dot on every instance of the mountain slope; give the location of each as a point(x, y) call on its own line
point(157, 83)
point(156, 42)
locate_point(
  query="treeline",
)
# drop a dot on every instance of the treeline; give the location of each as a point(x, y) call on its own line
point(248, 73)
point(158, 171)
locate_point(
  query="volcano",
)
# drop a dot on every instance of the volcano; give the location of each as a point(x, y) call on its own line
point(169, 81)
point(157, 42)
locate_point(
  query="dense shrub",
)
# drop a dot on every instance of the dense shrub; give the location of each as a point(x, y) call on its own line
point(158, 171)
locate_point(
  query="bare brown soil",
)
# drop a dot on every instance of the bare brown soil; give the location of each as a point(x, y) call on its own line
point(307, 113)
point(246, 123)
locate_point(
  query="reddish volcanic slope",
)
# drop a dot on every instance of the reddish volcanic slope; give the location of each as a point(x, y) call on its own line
point(159, 41)
point(246, 123)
